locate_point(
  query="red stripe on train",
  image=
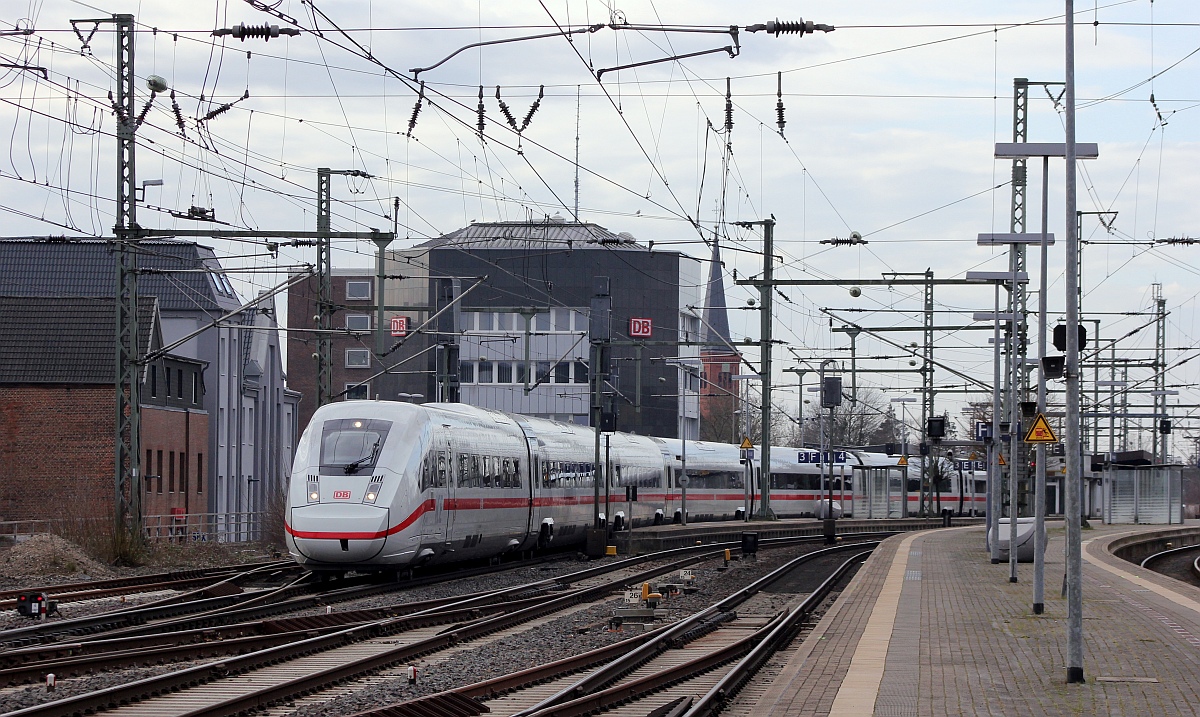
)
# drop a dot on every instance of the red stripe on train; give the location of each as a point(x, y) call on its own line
point(423, 508)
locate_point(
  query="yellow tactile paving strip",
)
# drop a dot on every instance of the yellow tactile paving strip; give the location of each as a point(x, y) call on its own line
point(860, 688)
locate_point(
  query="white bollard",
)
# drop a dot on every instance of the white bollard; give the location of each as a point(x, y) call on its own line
point(50, 682)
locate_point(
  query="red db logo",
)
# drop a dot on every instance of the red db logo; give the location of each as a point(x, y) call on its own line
point(341, 495)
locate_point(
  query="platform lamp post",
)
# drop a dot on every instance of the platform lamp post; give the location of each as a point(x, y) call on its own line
point(1045, 150)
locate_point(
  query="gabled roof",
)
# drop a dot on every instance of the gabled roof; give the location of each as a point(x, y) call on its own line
point(65, 339)
point(88, 267)
point(553, 231)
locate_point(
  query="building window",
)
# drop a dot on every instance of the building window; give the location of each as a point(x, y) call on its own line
point(521, 377)
point(179, 390)
point(159, 472)
point(562, 373)
point(486, 320)
point(504, 322)
point(154, 382)
point(146, 471)
point(195, 387)
point(358, 291)
point(466, 372)
point(504, 372)
point(358, 358)
point(358, 392)
point(358, 322)
point(581, 372)
point(199, 472)
point(171, 473)
point(581, 321)
point(183, 473)
point(541, 321)
point(543, 371)
point(485, 372)
point(562, 320)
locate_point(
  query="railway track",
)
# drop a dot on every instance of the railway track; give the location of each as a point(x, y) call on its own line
point(1181, 563)
point(174, 580)
point(693, 667)
point(321, 653)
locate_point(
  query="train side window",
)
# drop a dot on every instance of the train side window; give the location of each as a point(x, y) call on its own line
point(486, 462)
point(545, 474)
point(464, 470)
point(443, 467)
point(616, 476)
point(516, 473)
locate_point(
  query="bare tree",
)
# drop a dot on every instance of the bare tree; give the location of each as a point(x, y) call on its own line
point(855, 422)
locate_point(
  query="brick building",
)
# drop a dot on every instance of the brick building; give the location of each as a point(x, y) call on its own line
point(57, 394)
point(250, 413)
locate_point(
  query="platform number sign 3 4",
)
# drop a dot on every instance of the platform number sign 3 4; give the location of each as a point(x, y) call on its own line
point(640, 328)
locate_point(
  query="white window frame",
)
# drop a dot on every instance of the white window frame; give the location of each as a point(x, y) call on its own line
point(363, 389)
point(358, 352)
point(352, 297)
point(358, 316)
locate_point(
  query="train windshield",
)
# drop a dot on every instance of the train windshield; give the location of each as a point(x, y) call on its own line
point(350, 446)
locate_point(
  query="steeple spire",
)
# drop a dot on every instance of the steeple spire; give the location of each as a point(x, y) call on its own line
point(716, 317)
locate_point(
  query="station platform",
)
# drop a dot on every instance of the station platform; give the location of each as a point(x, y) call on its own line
point(930, 627)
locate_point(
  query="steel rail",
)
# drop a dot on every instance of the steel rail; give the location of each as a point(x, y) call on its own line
point(610, 673)
point(139, 580)
point(715, 700)
point(94, 701)
point(1167, 553)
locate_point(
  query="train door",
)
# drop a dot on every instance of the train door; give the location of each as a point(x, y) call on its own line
point(530, 479)
point(439, 516)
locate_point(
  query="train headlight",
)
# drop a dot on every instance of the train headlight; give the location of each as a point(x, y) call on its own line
point(372, 493)
point(370, 497)
point(314, 493)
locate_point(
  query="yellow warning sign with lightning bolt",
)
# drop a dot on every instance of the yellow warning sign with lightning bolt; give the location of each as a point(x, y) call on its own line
point(1040, 431)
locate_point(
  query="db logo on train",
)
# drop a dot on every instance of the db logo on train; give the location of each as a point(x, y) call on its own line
point(341, 495)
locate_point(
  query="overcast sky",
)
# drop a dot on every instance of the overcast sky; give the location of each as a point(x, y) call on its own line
point(890, 126)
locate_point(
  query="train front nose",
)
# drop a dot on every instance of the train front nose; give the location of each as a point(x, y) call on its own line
point(331, 533)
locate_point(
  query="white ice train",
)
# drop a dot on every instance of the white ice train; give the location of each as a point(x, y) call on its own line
point(389, 486)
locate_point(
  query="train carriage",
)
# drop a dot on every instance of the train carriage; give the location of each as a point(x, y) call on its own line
point(387, 486)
